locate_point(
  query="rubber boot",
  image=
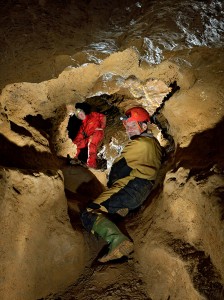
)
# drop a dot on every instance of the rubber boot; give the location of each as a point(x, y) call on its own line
point(119, 244)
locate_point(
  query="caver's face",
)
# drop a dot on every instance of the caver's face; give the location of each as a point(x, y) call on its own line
point(81, 114)
point(132, 128)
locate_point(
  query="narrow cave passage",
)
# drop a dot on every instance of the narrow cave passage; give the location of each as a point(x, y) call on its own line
point(186, 201)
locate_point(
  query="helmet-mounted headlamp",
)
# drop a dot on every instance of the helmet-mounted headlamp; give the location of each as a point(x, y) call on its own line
point(77, 111)
point(123, 118)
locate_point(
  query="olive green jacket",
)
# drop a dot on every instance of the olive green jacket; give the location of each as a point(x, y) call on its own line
point(140, 158)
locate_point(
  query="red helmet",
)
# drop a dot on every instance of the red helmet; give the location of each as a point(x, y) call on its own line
point(138, 114)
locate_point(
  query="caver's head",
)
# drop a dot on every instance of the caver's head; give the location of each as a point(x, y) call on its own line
point(135, 121)
point(80, 114)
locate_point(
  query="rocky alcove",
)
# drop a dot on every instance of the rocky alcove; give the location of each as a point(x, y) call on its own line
point(84, 54)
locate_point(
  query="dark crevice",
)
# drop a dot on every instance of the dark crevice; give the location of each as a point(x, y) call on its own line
point(157, 115)
point(44, 126)
point(19, 129)
point(73, 126)
point(13, 156)
point(106, 104)
point(219, 194)
point(200, 174)
point(174, 88)
point(204, 275)
point(204, 151)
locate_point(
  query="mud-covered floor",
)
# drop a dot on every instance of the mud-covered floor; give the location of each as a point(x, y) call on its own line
point(112, 281)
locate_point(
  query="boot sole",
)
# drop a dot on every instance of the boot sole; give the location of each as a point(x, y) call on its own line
point(124, 249)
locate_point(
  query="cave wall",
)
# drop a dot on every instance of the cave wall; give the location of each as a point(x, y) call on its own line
point(180, 236)
point(38, 243)
point(198, 106)
point(180, 251)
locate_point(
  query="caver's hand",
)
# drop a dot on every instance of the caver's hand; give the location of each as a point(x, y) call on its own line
point(75, 162)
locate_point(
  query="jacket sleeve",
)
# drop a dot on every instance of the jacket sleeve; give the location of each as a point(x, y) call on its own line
point(103, 121)
point(119, 170)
